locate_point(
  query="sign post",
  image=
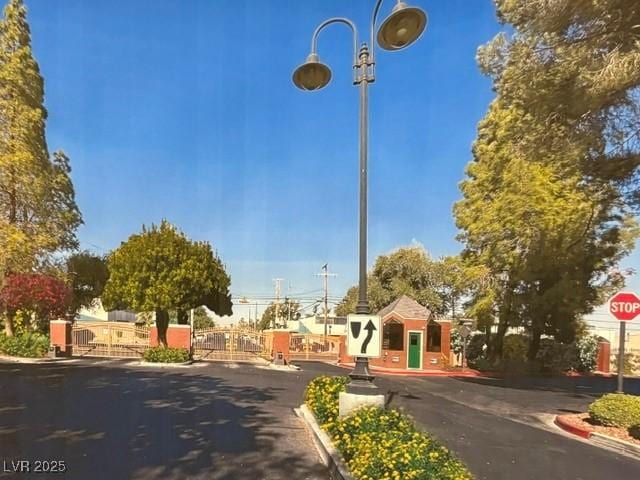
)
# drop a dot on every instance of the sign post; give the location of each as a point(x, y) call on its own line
point(364, 341)
point(624, 306)
point(464, 333)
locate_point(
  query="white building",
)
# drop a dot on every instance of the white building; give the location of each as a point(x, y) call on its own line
point(315, 324)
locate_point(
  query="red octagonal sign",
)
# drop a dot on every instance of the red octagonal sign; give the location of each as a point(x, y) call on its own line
point(625, 306)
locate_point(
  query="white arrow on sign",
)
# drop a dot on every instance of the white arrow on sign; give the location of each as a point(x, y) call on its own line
point(364, 336)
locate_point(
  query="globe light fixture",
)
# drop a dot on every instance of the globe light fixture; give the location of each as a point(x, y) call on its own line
point(312, 74)
point(403, 27)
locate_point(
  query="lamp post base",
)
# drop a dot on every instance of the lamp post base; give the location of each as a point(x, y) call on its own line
point(348, 402)
point(361, 379)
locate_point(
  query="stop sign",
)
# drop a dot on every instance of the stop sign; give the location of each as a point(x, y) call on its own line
point(625, 306)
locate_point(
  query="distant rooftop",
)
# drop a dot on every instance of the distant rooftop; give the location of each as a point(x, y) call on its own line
point(406, 307)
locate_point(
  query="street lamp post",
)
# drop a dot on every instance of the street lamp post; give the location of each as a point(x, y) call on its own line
point(400, 29)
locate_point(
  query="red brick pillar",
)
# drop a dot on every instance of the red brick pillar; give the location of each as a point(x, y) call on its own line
point(178, 336)
point(603, 361)
point(60, 336)
point(343, 357)
point(445, 339)
point(280, 345)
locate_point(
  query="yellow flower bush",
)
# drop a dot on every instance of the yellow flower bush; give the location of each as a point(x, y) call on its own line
point(379, 444)
point(321, 396)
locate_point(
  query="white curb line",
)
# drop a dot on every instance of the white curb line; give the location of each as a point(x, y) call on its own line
point(614, 443)
point(328, 453)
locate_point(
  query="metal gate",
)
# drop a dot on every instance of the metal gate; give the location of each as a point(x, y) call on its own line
point(109, 339)
point(314, 347)
point(225, 343)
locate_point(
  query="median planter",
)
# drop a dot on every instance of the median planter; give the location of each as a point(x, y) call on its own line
point(613, 421)
point(376, 443)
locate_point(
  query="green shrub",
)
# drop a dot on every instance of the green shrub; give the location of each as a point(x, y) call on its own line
point(586, 353)
point(514, 352)
point(321, 396)
point(456, 341)
point(616, 410)
point(166, 355)
point(634, 431)
point(377, 443)
point(482, 364)
point(26, 344)
point(474, 348)
point(556, 357)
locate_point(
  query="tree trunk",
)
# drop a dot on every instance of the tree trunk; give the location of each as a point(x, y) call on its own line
point(183, 317)
point(534, 344)
point(503, 325)
point(8, 324)
point(498, 341)
point(162, 323)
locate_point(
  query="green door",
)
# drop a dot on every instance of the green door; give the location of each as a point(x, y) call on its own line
point(414, 349)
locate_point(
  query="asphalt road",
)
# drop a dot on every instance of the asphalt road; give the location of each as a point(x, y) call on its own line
point(501, 428)
point(227, 421)
point(108, 421)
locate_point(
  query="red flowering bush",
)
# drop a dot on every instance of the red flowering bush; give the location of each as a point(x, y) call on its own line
point(42, 295)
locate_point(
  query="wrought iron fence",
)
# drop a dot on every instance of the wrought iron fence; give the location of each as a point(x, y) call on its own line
point(226, 343)
point(314, 347)
point(109, 339)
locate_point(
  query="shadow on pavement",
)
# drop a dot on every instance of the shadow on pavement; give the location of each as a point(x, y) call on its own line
point(126, 423)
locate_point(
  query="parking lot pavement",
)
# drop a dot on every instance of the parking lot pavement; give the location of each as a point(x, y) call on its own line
point(106, 420)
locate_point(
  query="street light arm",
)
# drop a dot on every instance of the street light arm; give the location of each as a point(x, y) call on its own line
point(326, 23)
point(374, 19)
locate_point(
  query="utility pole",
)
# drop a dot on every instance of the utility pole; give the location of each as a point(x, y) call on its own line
point(325, 284)
point(277, 314)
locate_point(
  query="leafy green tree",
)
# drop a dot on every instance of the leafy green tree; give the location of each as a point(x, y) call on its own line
point(160, 270)
point(202, 319)
point(546, 203)
point(87, 274)
point(436, 284)
point(38, 213)
point(288, 310)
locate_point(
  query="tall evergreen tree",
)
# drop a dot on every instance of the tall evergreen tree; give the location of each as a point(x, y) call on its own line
point(547, 205)
point(38, 213)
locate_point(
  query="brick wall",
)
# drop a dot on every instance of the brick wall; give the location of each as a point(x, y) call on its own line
point(280, 344)
point(60, 336)
point(178, 336)
point(604, 354)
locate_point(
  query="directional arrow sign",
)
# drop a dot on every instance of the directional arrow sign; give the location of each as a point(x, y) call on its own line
point(364, 337)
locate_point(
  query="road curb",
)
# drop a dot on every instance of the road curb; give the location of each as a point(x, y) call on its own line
point(610, 442)
point(328, 453)
point(420, 373)
point(27, 360)
point(187, 364)
point(561, 422)
point(599, 439)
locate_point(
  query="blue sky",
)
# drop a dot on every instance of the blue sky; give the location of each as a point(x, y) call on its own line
point(185, 110)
